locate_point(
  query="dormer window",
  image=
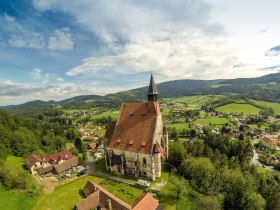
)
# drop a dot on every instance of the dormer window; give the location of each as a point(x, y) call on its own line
point(144, 114)
point(119, 140)
point(143, 144)
point(131, 114)
point(130, 142)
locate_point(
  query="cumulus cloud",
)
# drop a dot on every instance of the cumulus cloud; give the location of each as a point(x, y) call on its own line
point(172, 38)
point(61, 40)
point(20, 35)
point(38, 75)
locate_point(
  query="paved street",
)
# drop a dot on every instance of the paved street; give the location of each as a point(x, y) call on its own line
point(256, 162)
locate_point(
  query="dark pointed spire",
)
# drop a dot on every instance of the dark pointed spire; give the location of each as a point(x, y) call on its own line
point(152, 92)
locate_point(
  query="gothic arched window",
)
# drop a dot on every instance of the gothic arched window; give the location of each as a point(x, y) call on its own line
point(144, 161)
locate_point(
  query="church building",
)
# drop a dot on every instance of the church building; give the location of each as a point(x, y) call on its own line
point(137, 143)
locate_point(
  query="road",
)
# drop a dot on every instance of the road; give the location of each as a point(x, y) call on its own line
point(255, 161)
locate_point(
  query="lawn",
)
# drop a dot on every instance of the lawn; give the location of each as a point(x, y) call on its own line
point(113, 114)
point(261, 170)
point(212, 120)
point(168, 198)
point(192, 99)
point(178, 126)
point(66, 196)
point(15, 200)
point(238, 108)
point(16, 163)
point(274, 106)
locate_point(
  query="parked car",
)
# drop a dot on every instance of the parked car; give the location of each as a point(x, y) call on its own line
point(143, 183)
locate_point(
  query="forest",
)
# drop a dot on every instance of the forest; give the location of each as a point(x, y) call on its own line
point(217, 173)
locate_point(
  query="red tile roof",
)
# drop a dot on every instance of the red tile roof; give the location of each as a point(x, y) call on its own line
point(92, 145)
point(66, 155)
point(110, 130)
point(90, 202)
point(145, 202)
point(103, 197)
point(136, 123)
point(98, 196)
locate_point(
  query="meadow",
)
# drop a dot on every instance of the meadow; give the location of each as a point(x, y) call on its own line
point(212, 120)
point(14, 199)
point(66, 196)
point(274, 106)
point(238, 108)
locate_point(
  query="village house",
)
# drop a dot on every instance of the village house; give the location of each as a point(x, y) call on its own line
point(271, 139)
point(137, 143)
point(99, 198)
point(55, 163)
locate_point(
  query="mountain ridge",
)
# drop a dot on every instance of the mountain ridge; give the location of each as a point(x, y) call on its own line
point(266, 87)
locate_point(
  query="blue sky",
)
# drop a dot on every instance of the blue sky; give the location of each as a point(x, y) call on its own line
point(56, 49)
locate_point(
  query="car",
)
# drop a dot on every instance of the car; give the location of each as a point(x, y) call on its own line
point(81, 173)
point(143, 183)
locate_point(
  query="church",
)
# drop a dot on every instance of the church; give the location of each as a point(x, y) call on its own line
point(137, 143)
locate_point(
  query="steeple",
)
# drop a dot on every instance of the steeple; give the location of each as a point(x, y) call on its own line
point(152, 92)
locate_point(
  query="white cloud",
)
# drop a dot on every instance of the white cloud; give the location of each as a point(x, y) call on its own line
point(20, 35)
point(177, 39)
point(43, 5)
point(41, 77)
point(61, 40)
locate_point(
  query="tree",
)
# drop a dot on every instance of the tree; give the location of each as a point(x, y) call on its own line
point(208, 203)
point(78, 144)
point(192, 133)
point(177, 153)
point(255, 202)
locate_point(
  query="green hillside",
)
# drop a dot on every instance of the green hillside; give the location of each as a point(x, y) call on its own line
point(238, 108)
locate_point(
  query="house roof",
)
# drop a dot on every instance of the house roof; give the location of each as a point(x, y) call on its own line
point(66, 155)
point(98, 196)
point(91, 188)
point(110, 130)
point(135, 127)
point(66, 165)
point(90, 202)
point(145, 202)
point(32, 159)
point(45, 170)
point(92, 145)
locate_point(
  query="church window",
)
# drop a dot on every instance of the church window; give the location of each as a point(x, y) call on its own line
point(144, 161)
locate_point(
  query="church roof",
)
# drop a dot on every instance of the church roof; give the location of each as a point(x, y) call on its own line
point(135, 127)
point(152, 87)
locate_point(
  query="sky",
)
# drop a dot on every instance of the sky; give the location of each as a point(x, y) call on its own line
point(57, 49)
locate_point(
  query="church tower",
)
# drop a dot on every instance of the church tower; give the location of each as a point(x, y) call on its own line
point(152, 92)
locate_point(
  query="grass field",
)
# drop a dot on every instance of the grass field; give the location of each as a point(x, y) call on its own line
point(113, 114)
point(66, 196)
point(16, 163)
point(274, 106)
point(238, 108)
point(212, 120)
point(261, 170)
point(13, 199)
point(178, 126)
point(16, 200)
point(192, 99)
